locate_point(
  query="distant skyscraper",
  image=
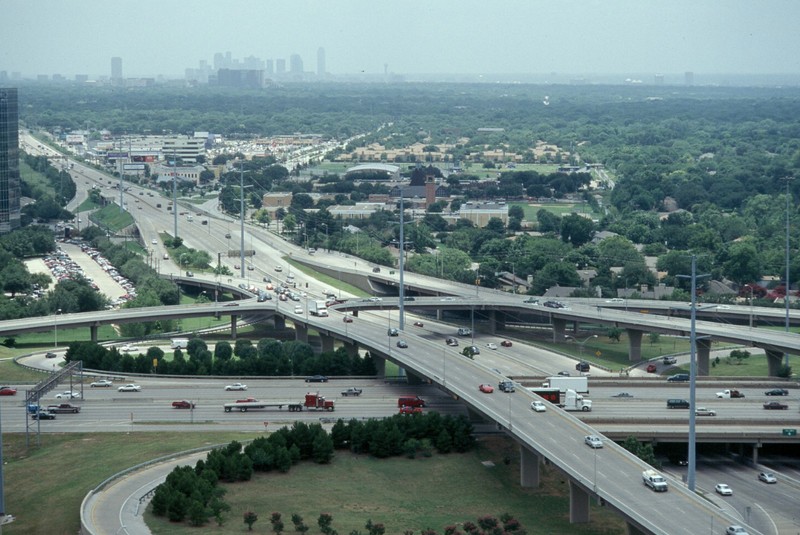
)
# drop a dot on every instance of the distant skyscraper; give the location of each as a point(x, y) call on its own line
point(321, 62)
point(116, 69)
point(9, 161)
point(270, 67)
point(688, 78)
point(295, 64)
point(280, 66)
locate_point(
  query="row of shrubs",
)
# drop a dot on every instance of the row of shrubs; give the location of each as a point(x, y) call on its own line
point(193, 495)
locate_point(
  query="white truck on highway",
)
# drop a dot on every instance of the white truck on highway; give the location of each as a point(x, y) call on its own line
point(318, 308)
point(575, 402)
point(578, 384)
point(654, 480)
point(179, 343)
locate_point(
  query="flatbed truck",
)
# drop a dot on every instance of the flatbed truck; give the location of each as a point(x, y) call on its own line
point(312, 402)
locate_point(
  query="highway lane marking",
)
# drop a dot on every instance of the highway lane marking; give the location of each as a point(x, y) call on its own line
point(774, 526)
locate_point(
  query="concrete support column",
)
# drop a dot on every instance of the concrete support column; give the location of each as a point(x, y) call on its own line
point(528, 467)
point(774, 362)
point(301, 332)
point(280, 322)
point(755, 454)
point(351, 348)
point(634, 345)
point(380, 365)
point(492, 320)
point(93, 333)
point(234, 319)
point(634, 530)
point(438, 314)
point(578, 504)
point(703, 356)
point(559, 329)
point(327, 342)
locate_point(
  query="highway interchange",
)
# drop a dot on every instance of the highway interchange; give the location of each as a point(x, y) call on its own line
point(152, 405)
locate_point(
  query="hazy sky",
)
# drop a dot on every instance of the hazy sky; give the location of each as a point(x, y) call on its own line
point(431, 36)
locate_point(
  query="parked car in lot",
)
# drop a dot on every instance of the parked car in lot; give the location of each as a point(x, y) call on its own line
point(593, 441)
point(182, 404)
point(101, 383)
point(317, 379)
point(775, 406)
point(486, 389)
point(130, 388)
point(767, 477)
point(777, 392)
point(7, 391)
point(723, 490)
point(702, 411)
point(236, 386)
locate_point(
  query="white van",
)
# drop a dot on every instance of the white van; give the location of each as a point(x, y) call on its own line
point(464, 331)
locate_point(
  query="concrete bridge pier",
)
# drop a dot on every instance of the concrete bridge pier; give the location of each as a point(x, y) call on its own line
point(93, 333)
point(634, 530)
point(234, 319)
point(380, 365)
point(301, 332)
point(559, 329)
point(754, 459)
point(774, 362)
point(280, 322)
point(327, 342)
point(528, 467)
point(351, 348)
point(492, 322)
point(703, 356)
point(634, 345)
point(578, 504)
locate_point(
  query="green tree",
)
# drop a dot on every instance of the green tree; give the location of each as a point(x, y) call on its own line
point(250, 518)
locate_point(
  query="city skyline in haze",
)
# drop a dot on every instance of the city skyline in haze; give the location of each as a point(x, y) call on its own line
point(446, 37)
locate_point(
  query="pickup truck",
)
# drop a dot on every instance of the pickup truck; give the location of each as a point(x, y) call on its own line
point(654, 480)
point(63, 408)
point(727, 393)
point(352, 391)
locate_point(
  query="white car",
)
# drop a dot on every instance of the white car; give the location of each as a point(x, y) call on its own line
point(538, 406)
point(615, 300)
point(491, 345)
point(102, 383)
point(68, 395)
point(702, 411)
point(723, 489)
point(767, 477)
point(130, 388)
point(236, 386)
point(127, 348)
point(736, 530)
point(298, 310)
point(593, 441)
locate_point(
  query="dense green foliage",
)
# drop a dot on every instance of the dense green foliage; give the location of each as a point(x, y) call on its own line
point(269, 358)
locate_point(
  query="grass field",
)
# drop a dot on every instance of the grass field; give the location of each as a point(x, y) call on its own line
point(404, 494)
point(112, 218)
point(44, 486)
point(561, 209)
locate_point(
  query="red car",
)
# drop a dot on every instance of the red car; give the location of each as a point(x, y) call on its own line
point(410, 410)
point(182, 404)
point(7, 391)
point(651, 368)
point(506, 343)
point(348, 319)
point(486, 389)
point(418, 324)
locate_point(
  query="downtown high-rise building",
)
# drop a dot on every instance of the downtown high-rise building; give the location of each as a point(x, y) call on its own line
point(116, 69)
point(320, 63)
point(9, 161)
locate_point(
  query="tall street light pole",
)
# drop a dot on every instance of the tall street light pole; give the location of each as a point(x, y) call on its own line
point(788, 180)
point(55, 329)
point(401, 266)
point(241, 219)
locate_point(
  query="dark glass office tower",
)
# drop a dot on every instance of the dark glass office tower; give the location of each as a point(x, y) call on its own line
point(9, 160)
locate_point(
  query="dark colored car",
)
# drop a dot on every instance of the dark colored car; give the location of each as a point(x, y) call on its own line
point(50, 355)
point(553, 304)
point(777, 392)
point(678, 377)
point(317, 379)
point(582, 366)
point(402, 344)
point(775, 406)
point(506, 343)
point(452, 342)
point(652, 368)
point(182, 404)
point(42, 415)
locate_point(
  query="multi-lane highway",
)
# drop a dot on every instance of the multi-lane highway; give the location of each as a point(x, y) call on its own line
point(611, 473)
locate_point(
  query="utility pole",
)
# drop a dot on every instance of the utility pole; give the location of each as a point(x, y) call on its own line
point(402, 321)
point(241, 218)
point(174, 194)
point(788, 181)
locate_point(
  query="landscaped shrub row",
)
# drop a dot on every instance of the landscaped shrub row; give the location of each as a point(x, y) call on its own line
point(193, 494)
